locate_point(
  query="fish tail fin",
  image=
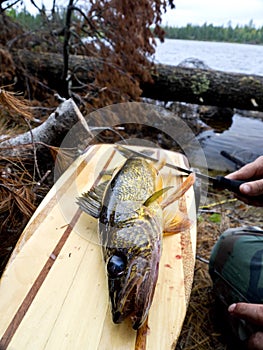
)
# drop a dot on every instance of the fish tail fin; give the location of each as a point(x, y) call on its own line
point(90, 202)
point(179, 192)
point(89, 205)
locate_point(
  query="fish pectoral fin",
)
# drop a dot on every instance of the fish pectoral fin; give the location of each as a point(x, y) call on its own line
point(156, 195)
point(89, 205)
point(90, 202)
point(179, 192)
point(180, 222)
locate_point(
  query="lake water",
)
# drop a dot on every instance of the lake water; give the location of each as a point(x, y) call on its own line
point(245, 136)
point(239, 58)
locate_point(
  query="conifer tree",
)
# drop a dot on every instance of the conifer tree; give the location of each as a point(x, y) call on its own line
point(122, 35)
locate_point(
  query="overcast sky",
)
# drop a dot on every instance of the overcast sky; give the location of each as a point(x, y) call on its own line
point(217, 12)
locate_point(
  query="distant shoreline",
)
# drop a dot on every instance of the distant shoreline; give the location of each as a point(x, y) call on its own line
point(247, 34)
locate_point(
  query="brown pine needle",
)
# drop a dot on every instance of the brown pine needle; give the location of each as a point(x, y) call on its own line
point(12, 103)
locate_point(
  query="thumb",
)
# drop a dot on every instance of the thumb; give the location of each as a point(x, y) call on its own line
point(256, 341)
point(253, 188)
point(249, 312)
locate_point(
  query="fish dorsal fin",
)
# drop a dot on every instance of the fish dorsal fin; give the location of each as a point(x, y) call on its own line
point(90, 202)
point(156, 195)
point(128, 152)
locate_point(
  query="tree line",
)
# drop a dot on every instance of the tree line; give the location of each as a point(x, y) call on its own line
point(247, 34)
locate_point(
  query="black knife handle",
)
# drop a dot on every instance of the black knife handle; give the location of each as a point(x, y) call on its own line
point(222, 182)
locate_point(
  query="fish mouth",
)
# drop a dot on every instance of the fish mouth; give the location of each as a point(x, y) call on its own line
point(132, 294)
point(127, 302)
point(133, 302)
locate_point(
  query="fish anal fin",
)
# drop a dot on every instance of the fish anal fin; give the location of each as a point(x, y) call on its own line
point(180, 222)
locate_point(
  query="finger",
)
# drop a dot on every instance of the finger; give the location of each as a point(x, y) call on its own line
point(241, 174)
point(249, 312)
point(255, 342)
point(248, 171)
point(253, 188)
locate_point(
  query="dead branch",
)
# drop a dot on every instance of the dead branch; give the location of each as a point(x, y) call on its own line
point(52, 131)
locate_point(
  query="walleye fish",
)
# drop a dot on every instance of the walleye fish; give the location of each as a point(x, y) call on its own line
point(132, 222)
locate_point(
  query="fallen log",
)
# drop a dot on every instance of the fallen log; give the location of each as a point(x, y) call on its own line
point(206, 87)
point(170, 83)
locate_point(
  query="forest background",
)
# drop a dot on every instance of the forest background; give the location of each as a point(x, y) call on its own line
point(246, 34)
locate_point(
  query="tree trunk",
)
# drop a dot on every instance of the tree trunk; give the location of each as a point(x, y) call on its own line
point(206, 87)
point(48, 67)
point(170, 83)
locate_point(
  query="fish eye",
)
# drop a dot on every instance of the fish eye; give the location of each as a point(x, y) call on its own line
point(115, 266)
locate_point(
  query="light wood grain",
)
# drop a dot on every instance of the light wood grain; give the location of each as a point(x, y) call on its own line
point(53, 293)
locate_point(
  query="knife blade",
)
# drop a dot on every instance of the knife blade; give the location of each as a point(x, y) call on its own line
point(218, 182)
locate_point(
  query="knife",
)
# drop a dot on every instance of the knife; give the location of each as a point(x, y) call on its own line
point(218, 182)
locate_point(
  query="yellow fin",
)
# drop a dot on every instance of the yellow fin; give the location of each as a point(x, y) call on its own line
point(179, 192)
point(156, 195)
point(159, 184)
point(178, 223)
point(167, 179)
point(174, 220)
point(160, 164)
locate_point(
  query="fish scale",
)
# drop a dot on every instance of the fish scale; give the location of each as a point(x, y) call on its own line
point(131, 225)
point(135, 174)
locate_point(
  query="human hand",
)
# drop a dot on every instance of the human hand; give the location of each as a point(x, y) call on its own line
point(252, 313)
point(252, 191)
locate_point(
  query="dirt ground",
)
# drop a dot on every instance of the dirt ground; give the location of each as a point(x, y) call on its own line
point(202, 329)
